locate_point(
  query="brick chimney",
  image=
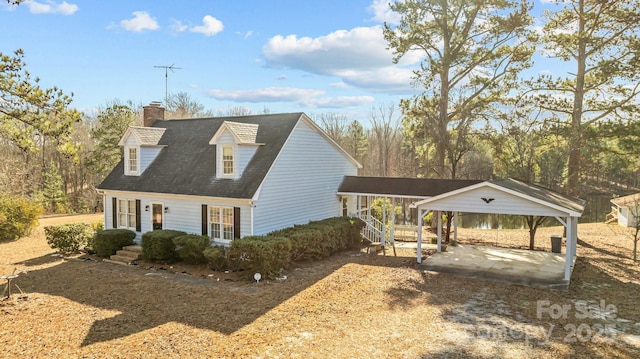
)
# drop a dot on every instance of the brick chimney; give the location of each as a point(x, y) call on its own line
point(154, 111)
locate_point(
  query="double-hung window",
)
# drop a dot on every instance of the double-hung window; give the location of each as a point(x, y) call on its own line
point(227, 160)
point(221, 223)
point(127, 213)
point(131, 160)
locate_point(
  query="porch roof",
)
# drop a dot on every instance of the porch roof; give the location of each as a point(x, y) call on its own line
point(401, 187)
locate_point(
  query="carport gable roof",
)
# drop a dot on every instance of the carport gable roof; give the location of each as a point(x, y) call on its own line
point(553, 200)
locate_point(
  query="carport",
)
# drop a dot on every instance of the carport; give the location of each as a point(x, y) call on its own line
point(506, 196)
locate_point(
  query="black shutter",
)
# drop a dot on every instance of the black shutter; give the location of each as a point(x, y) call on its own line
point(236, 222)
point(138, 217)
point(205, 220)
point(114, 212)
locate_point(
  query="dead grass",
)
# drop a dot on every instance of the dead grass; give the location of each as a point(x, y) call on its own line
point(352, 305)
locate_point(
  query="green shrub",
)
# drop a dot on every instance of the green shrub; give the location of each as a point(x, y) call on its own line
point(18, 217)
point(267, 255)
point(157, 246)
point(216, 257)
point(68, 238)
point(97, 226)
point(106, 242)
point(320, 239)
point(190, 248)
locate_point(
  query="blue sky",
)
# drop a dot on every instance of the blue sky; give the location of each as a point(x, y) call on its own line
point(284, 55)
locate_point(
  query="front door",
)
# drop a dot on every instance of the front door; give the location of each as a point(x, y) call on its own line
point(156, 216)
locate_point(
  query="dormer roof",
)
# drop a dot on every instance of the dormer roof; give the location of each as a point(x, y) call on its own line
point(243, 133)
point(144, 136)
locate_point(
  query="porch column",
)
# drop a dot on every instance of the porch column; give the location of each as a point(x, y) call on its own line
point(359, 201)
point(419, 254)
point(392, 231)
point(384, 221)
point(569, 249)
point(455, 227)
point(439, 214)
point(575, 239)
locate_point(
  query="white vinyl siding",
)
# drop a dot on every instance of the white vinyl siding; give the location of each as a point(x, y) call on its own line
point(504, 203)
point(302, 183)
point(147, 155)
point(183, 213)
point(244, 154)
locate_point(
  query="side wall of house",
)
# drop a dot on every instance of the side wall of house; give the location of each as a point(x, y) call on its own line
point(147, 155)
point(302, 183)
point(182, 213)
point(623, 217)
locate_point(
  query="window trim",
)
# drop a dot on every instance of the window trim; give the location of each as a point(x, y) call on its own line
point(225, 227)
point(127, 160)
point(221, 167)
point(127, 213)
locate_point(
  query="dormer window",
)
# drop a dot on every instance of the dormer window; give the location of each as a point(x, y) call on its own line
point(227, 160)
point(131, 160)
point(235, 145)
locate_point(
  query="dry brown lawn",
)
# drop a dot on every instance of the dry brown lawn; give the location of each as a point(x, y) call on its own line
point(352, 305)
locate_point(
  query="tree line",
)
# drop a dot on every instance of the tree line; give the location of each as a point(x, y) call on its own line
point(477, 115)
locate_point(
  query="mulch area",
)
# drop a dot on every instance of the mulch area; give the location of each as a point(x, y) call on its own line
point(352, 305)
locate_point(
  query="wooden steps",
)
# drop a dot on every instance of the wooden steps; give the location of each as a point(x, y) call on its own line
point(128, 254)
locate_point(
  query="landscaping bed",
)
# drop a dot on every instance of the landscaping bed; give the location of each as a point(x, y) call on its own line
point(351, 304)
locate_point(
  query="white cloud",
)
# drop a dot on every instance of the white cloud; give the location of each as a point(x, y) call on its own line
point(268, 94)
point(382, 12)
point(210, 26)
point(177, 26)
point(339, 84)
point(51, 7)
point(304, 97)
point(337, 102)
point(358, 56)
point(282, 77)
point(245, 35)
point(141, 21)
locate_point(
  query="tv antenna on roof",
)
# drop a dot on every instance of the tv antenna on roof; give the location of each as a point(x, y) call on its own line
point(166, 80)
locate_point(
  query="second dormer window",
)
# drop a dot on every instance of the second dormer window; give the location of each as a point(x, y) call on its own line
point(132, 160)
point(227, 160)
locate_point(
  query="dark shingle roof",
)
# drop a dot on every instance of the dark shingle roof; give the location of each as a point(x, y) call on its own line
point(541, 193)
point(408, 187)
point(188, 164)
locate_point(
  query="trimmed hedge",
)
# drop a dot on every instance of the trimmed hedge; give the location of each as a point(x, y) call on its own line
point(267, 255)
point(106, 242)
point(158, 246)
point(190, 248)
point(18, 217)
point(216, 257)
point(320, 239)
point(68, 238)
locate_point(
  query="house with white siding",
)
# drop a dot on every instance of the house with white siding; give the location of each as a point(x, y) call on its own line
point(625, 210)
point(225, 177)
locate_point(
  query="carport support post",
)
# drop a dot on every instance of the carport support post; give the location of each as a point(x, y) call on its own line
point(455, 227)
point(569, 249)
point(384, 221)
point(419, 254)
point(439, 214)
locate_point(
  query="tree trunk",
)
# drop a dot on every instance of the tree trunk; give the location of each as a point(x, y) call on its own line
point(575, 136)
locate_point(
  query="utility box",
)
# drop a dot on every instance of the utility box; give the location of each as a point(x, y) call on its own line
point(556, 244)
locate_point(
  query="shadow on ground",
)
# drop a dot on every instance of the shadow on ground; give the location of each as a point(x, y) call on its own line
point(147, 301)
